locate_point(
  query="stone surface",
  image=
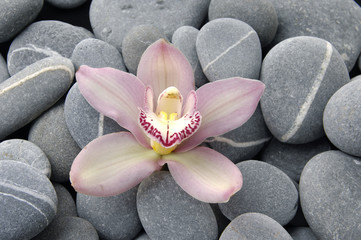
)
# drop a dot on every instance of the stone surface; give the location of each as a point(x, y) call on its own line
point(300, 75)
point(26, 152)
point(302, 233)
point(66, 204)
point(4, 74)
point(66, 4)
point(142, 236)
point(330, 195)
point(43, 39)
point(254, 226)
point(266, 190)
point(15, 15)
point(227, 48)
point(259, 14)
point(24, 96)
point(184, 38)
point(113, 217)
point(28, 201)
point(51, 134)
point(167, 212)
point(342, 118)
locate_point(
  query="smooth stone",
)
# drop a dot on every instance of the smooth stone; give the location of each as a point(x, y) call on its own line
point(115, 218)
point(69, 228)
point(167, 212)
point(44, 39)
point(267, 190)
point(184, 38)
point(254, 226)
point(122, 15)
point(66, 4)
point(15, 15)
point(51, 134)
point(136, 41)
point(28, 201)
point(291, 158)
point(342, 118)
point(259, 14)
point(26, 152)
point(142, 236)
point(330, 195)
point(244, 142)
point(300, 74)
point(66, 203)
point(227, 48)
point(302, 233)
point(83, 121)
point(222, 221)
point(98, 54)
point(4, 74)
point(27, 94)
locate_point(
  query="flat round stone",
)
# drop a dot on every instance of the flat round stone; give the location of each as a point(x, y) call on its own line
point(66, 203)
point(4, 74)
point(301, 233)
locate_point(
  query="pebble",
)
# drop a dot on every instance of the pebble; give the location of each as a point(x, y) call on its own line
point(44, 39)
point(254, 226)
point(113, 217)
point(66, 204)
point(291, 158)
point(66, 4)
point(27, 94)
point(184, 38)
point(15, 15)
point(69, 228)
point(227, 48)
point(300, 74)
point(259, 14)
point(142, 236)
point(28, 201)
point(302, 233)
point(337, 21)
point(167, 212)
point(51, 134)
point(26, 152)
point(122, 15)
point(267, 190)
point(342, 118)
point(4, 74)
point(330, 195)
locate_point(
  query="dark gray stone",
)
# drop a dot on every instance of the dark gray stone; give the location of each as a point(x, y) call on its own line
point(254, 226)
point(227, 48)
point(184, 38)
point(24, 96)
point(66, 4)
point(342, 118)
point(44, 39)
point(15, 15)
point(302, 233)
point(167, 212)
point(4, 74)
point(266, 190)
point(28, 201)
point(142, 236)
point(300, 74)
point(66, 204)
point(113, 217)
point(136, 41)
point(259, 14)
point(26, 152)
point(222, 221)
point(51, 134)
point(330, 195)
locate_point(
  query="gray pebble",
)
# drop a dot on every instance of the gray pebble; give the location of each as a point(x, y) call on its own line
point(300, 75)
point(28, 201)
point(66, 4)
point(142, 236)
point(254, 226)
point(66, 203)
point(259, 14)
point(167, 212)
point(51, 134)
point(227, 48)
point(342, 118)
point(4, 74)
point(266, 190)
point(302, 233)
point(24, 96)
point(26, 152)
point(115, 218)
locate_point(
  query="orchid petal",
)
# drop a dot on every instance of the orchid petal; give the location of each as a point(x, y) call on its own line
point(116, 94)
point(112, 164)
point(190, 103)
point(204, 174)
point(224, 105)
point(162, 66)
point(148, 99)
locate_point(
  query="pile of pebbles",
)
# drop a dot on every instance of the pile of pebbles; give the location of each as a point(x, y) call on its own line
point(300, 153)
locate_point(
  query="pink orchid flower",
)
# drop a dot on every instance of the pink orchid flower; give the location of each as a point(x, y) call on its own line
point(166, 130)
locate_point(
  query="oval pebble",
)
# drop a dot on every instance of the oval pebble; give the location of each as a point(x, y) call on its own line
point(142, 236)
point(28, 201)
point(4, 74)
point(227, 48)
point(300, 75)
point(167, 212)
point(302, 233)
point(66, 4)
point(66, 203)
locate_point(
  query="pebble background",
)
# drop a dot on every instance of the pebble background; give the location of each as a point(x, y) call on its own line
point(300, 153)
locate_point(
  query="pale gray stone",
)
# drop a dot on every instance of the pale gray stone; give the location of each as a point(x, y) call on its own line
point(302, 233)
